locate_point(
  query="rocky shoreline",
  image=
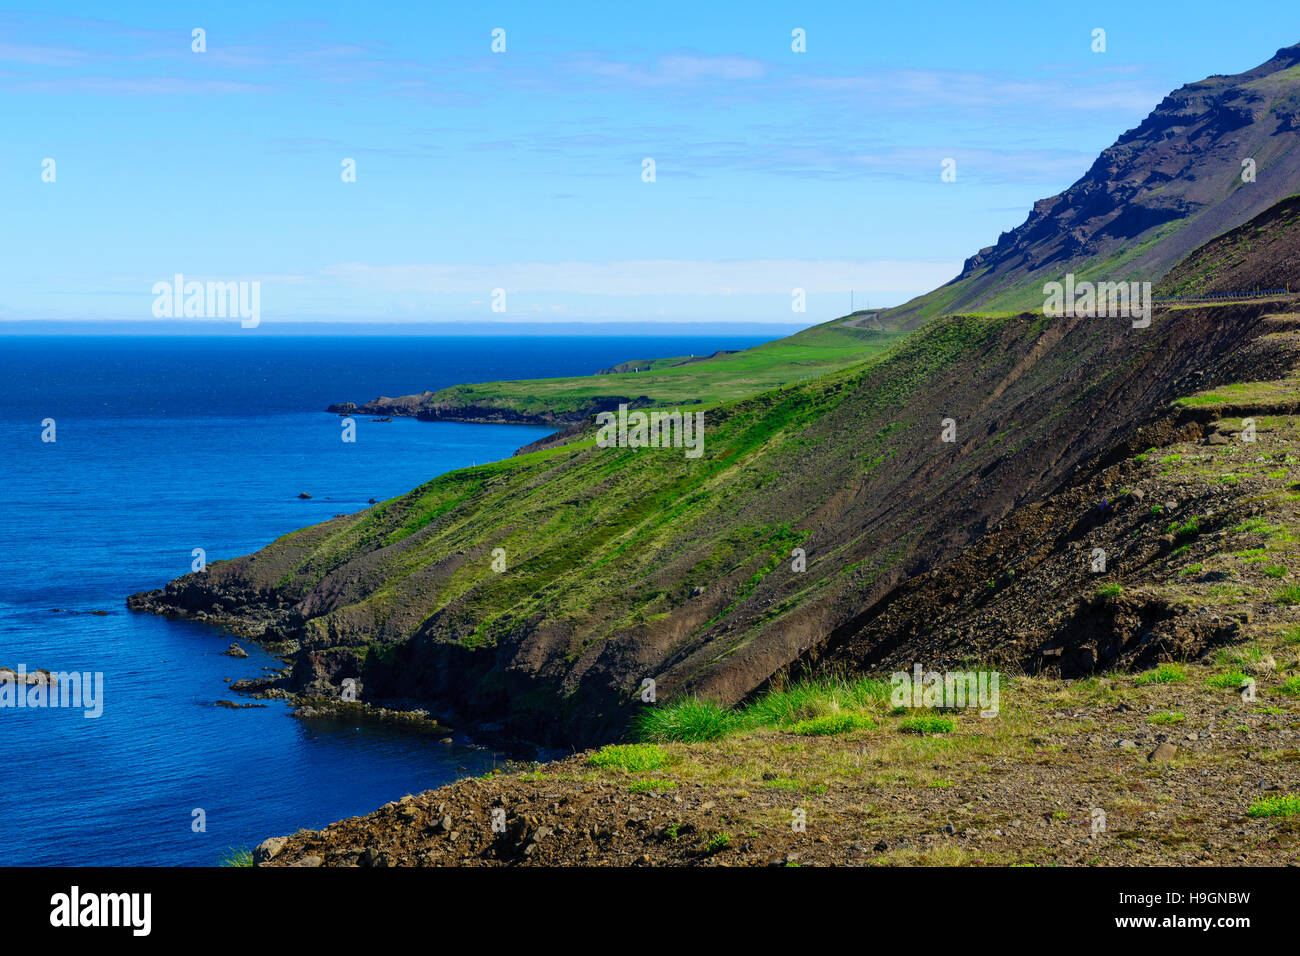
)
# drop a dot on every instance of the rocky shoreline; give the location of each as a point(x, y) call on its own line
point(37, 678)
point(259, 623)
point(1073, 773)
point(426, 408)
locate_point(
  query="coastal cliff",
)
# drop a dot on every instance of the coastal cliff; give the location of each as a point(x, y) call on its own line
point(542, 591)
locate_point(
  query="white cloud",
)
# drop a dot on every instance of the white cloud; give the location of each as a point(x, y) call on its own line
point(916, 88)
point(676, 69)
point(40, 54)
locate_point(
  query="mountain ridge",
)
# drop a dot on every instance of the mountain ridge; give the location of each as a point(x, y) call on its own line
point(1160, 191)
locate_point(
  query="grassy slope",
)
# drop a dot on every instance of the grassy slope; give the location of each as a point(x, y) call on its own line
point(1026, 293)
point(579, 524)
point(608, 544)
point(1261, 253)
point(804, 355)
point(878, 786)
point(623, 563)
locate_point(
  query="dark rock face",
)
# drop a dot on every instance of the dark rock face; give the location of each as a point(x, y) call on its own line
point(218, 596)
point(1029, 596)
point(1180, 170)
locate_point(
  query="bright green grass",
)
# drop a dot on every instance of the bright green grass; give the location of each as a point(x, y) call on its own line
point(667, 382)
point(635, 758)
point(1172, 717)
point(719, 841)
point(1187, 530)
point(690, 720)
point(1232, 678)
point(831, 724)
point(1291, 686)
point(1283, 805)
point(1164, 674)
point(927, 724)
point(237, 857)
point(812, 707)
point(809, 699)
point(1289, 594)
point(1256, 526)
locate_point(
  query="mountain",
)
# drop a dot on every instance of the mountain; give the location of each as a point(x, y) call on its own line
point(1162, 190)
point(1263, 254)
point(622, 564)
point(541, 593)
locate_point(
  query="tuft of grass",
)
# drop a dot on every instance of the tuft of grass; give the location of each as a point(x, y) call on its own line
point(651, 785)
point(1275, 570)
point(1256, 526)
point(1109, 591)
point(1239, 656)
point(927, 724)
point(635, 758)
point(1289, 594)
point(1187, 530)
point(690, 720)
point(1172, 717)
point(831, 724)
point(1282, 805)
point(1164, 674)
point(1233, 678)
point(719, 841)
point(810, 699)
point(804, 703)
point(237, 857)
point(1291, 686)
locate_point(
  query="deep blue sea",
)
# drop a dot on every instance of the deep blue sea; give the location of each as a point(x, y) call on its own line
point(170, 443)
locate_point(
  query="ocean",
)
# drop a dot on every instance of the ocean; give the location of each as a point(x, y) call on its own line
point(166, 444)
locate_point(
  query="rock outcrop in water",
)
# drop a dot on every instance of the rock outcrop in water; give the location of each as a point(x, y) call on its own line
point(431, 407)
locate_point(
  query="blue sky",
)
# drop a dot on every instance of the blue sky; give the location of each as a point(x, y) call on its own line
point(522, 170)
